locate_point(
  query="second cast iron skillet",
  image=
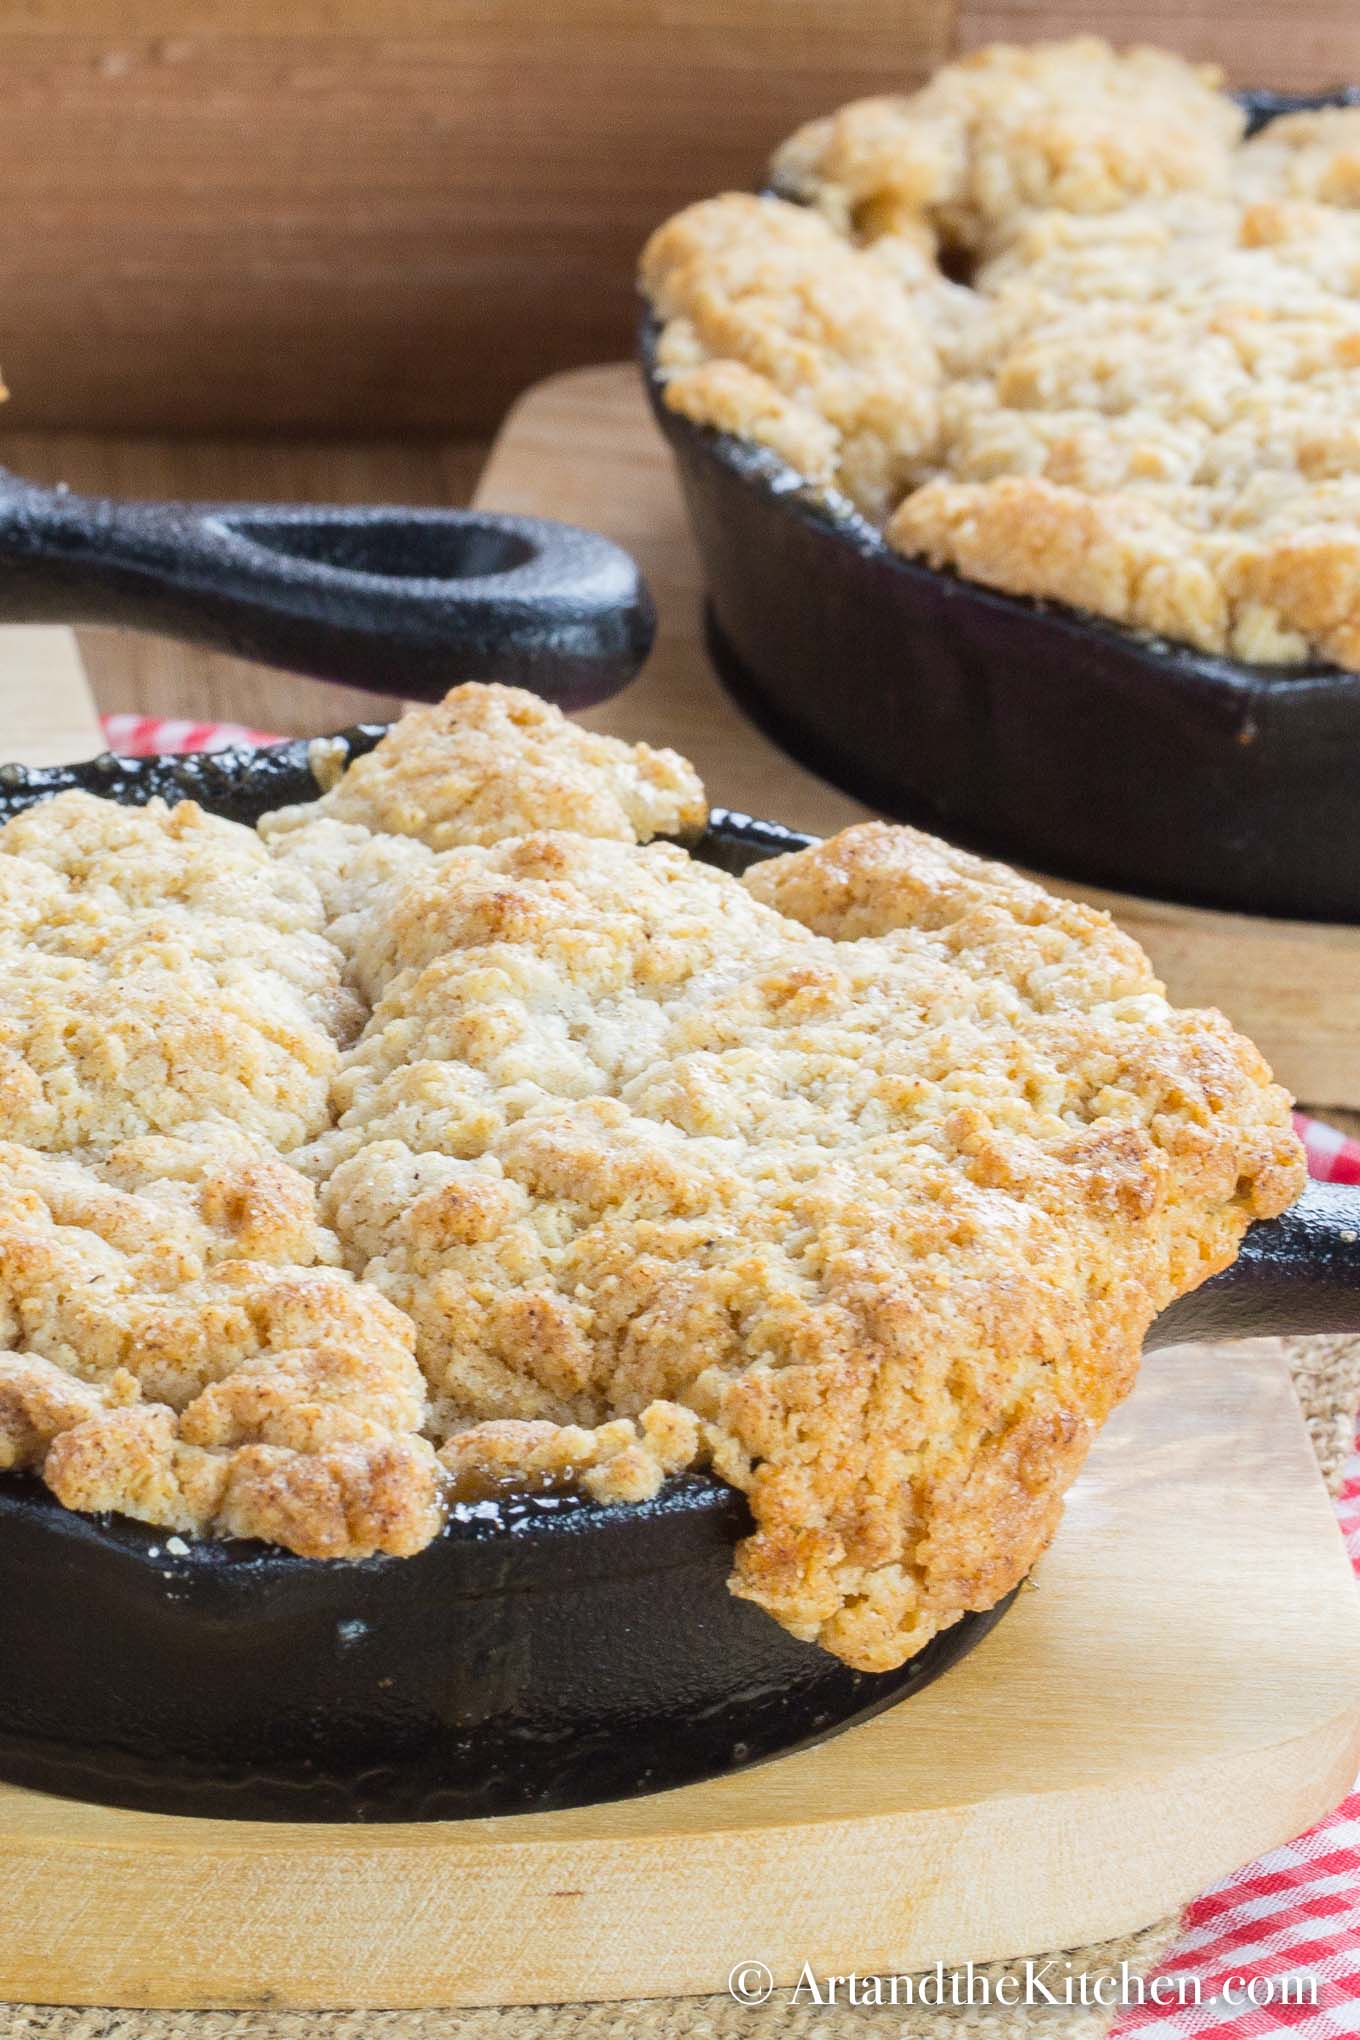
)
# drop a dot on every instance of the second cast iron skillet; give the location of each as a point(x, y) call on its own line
point(544, 1650)
point(1022, 728)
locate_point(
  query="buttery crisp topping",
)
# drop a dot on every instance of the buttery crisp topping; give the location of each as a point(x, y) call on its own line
point(1009, 130)
point(174, 1345)
point(157, 968)
point(1143, 402)
point(491, 762)
point(859, 1181)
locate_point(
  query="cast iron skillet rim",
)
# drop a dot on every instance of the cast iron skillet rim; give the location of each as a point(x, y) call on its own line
point(1162, 662)
point(141, 1549)
point(254, 778)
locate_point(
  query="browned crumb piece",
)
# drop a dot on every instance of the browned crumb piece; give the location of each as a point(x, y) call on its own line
point(776, 329)
point(347, 1500)
point(491, 762)
point(1267, 598)
point(159, 969)
point(1010, 128)
point(619, 1461)
point(173, 1346)
point(156, 858)
point(879, 879)
point(39, 1400)
point(1312, 155)
point(343, 1500)
point(882, 1175)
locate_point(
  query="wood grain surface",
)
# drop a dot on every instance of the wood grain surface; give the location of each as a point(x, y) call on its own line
point(1299, 45)
point(47, 712)
point(374, 212)
point(1180, 1691)
point(360, 214)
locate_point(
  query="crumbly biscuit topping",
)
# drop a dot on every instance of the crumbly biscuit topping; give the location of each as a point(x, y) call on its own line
point(158, 969)
point(1143, 403)
point(491, 762)
point(1012, 130)
point(859, 1181)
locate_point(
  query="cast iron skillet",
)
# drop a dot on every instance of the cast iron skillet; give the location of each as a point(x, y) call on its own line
point(543, 1652)
point(402, 602)
point(1021, 728)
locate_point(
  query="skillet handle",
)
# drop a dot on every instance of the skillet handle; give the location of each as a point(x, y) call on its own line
point(399, 601)
point(1296, 1273)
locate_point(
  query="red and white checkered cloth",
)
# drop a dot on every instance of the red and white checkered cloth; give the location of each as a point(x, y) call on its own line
point(1333, 1156)
point(1295, 1911)
point(142, 736)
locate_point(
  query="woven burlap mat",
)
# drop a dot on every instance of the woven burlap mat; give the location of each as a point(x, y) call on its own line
point(1327, 1375)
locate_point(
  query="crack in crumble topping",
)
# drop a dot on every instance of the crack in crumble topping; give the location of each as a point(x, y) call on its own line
point(449, 1129)
point(1144, 403)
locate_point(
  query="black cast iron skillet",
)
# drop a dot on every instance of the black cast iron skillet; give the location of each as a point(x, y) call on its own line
point(1022, 728)
point(402, 602)
point(544, 1651)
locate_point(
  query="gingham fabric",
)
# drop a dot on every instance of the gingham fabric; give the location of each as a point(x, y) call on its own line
point(139, 736)
point(1333, 1157)
point(1296, 1912)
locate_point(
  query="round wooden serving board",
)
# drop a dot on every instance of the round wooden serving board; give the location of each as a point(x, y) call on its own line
point(1180, 1691)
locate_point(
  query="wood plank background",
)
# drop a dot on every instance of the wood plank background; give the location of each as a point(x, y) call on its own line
point(393, 214)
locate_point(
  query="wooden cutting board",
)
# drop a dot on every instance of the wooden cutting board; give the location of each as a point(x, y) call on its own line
point(1180, 1691)
point(583, 447)
point(47, 713)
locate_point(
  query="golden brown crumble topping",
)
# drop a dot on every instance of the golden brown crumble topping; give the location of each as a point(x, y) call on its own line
point(1144, 403)
point(859, 1181)
point(157, 968)
point(491, 762)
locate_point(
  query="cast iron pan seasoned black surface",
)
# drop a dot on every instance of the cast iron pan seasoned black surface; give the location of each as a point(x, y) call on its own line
point(1022, 728)
point(544, 1651)
point(402, 601)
